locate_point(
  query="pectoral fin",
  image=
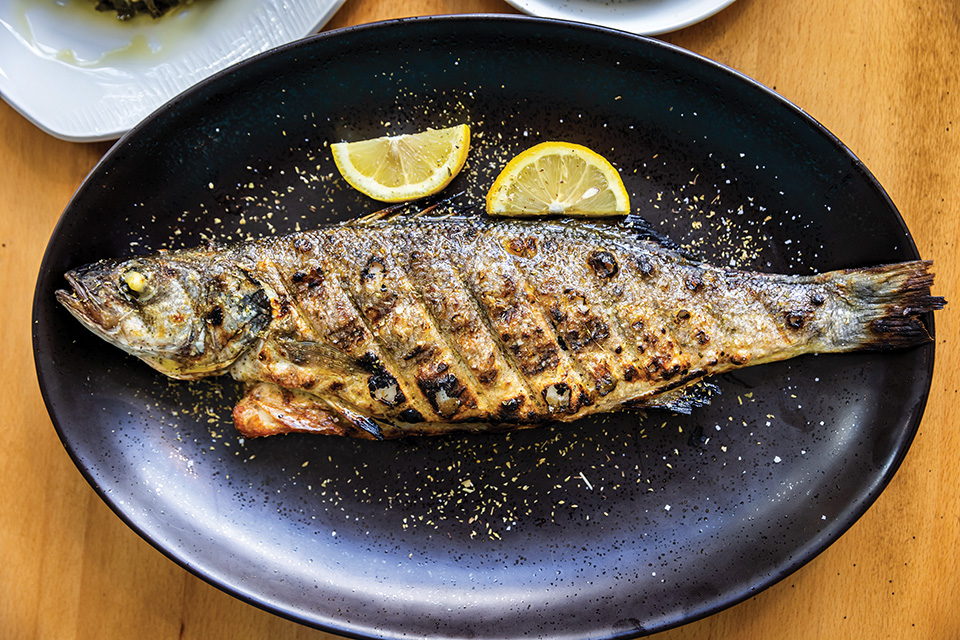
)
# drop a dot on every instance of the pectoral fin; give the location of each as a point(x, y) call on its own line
point(268, 409)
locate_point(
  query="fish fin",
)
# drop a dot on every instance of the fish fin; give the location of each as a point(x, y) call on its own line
point(434, 208)
point(268, 409)
point(377, 216)
point(889, 300)
point(359, 421)
point(317, 355)
point(685, 399)
point(640, 228)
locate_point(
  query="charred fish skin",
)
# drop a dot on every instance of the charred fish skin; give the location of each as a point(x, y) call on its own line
point(422, 325)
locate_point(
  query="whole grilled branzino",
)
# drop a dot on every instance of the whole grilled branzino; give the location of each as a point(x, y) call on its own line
point(399, 325)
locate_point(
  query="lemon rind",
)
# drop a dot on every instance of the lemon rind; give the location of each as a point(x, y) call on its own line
point(498, 203)
point(439, 178)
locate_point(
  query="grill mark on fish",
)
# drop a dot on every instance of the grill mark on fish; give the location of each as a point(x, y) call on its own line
point(410, 389)
point(610, 303)
point(602, 298)
point(454, 314)
point(636, 317)
point(334, 354)
point(656, 331)
point(539, 355)
point(580, 347)
point(343, 325)
point(473, 385)
point(599, 371)
point(505, 354)
point(609, 366)
point(441, 386)
point(437, 372)
point(623, 354)
point(299, 352)
point(609, 298)
point(573, 365)
point(292, 298)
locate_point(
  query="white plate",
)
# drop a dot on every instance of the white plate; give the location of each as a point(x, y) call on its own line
point(85, 76)
point(646, 17)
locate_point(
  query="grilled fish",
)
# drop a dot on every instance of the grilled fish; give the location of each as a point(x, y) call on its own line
point(396, 325)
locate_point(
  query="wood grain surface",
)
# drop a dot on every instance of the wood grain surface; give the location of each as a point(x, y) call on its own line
point(883, 76)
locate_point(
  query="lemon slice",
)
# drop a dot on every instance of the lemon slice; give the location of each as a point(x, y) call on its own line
point(558, 178)
point(403, 167)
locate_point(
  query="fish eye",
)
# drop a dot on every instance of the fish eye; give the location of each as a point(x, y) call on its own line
point(136, 285)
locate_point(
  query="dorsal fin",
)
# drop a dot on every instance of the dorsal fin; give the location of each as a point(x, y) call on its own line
point(439, 207)
point(641, 228)
point(415, 209)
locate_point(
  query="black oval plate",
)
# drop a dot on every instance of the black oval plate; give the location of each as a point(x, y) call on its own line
point(610, 527)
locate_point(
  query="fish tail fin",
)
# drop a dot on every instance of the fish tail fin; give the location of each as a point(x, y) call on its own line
point(890, 300)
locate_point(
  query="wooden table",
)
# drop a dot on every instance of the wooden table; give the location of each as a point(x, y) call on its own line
point(882, 76)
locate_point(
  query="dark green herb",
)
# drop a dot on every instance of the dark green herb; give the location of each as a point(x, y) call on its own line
point(127, 9)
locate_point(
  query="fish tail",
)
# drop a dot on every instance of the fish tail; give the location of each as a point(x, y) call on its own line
point(890, 301)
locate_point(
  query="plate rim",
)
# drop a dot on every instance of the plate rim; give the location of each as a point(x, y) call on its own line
point(535, 8)
point(330, 625)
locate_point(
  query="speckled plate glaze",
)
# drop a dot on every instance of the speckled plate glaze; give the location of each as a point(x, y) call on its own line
point(607, 528)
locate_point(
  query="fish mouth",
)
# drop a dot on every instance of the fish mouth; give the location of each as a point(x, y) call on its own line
point(84, 306)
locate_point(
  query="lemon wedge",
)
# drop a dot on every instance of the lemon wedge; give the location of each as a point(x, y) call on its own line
point(558, 178)
point(403, 167)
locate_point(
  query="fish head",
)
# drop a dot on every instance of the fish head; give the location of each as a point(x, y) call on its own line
point(184, 318)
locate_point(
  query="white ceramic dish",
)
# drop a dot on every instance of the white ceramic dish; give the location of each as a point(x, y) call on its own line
point(84, 76)
point(645, 17)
